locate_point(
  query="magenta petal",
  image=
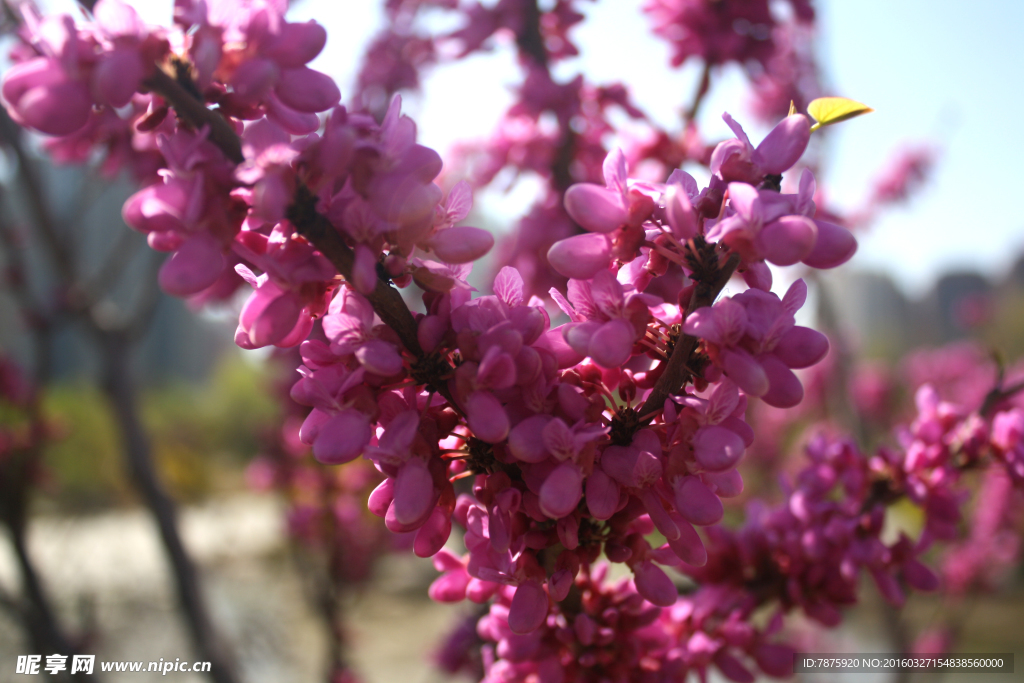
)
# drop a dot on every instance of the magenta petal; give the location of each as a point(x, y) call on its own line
point(786, 390)
point(446, 561)
point(157, 208)
point(581, 256)
point(508, 286)
point(654, 584)
point(381, 497)
point(379, 357)
point(275, 320)
point(758, 276)
point(745, 431)
point(32, 73)
point(727, 484)
point(679, 210)
point(311, 427)
point(414, 491)
point(612, 344)
point(561, 491)
point(342, 438)
point(403, 199)
point(696, 502)
point(615, 172)
point(602, 495)
point(165, 242)
point(559, 584)
point(889, 587)
point(295, 122)
point(835, 246)
point(732, 668)
point(578, 335)
point(117, 18)
point(659, 515)
point(529, 608)
point(297, 43)
point(486, 417)
point(431, 331)
point(786, 240)
point(253, 79)
point(481, 591)
point(393, 525)
point(784, 146)
point(703, 323)
point(306, 90)
point(717, 448)
point(688, 547)
point(730, 160)
point(364, 270)
point(59, 109)
point(461, 245)
point(193, 267)
point(553, 343)
point(595, 208)
point(775, 660)
point(919, 576)
point(299, 333)
point(449, 587)
point(117, 76)
point(746, 201)
point(801, 347)
point(526, 440)
point(745, 370)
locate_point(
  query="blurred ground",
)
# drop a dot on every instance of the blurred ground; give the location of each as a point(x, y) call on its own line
point(107, 570)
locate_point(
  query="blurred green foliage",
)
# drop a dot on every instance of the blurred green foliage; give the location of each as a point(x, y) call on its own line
point(202, 436)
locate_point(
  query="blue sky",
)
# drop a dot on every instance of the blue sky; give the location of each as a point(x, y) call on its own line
point(935, 71)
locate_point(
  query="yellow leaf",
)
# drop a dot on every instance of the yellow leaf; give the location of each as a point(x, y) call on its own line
point(829, 110)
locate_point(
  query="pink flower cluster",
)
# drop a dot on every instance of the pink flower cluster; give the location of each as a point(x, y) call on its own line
point(581, 439)
point(757, 222)
point(720, 31)
point(613, 635)
point(326, 506)
point(809, 551)
point(558, 460)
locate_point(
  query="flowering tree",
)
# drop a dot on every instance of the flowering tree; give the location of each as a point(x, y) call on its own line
point(616, 434)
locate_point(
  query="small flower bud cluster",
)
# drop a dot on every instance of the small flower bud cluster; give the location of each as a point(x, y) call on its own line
point(720, 31)
point(612, 634)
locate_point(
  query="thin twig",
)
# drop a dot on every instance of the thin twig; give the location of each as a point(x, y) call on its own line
point(698, 98)
point(676, 370)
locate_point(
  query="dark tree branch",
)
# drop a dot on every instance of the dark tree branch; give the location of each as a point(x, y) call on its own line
point(676, 369)
point(115, 350)
point(387, 302)
point(114, 346)
point(698, 98)
point(529, 39)
point(195, 113)
point(11, 136)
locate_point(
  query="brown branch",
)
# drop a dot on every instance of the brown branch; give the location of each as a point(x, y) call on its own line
point(120, 389)
point(58, 245)
point(308, 222)
point(195, 113)
point(698, 98)
point(387, 302)
point(385, 299)
point(529, 39)
point(676, 369)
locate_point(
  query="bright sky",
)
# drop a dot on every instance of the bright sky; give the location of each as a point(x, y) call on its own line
point(935, 70)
